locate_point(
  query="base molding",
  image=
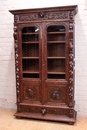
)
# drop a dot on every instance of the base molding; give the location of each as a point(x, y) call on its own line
point(50, 117)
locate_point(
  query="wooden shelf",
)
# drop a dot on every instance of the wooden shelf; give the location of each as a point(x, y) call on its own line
point(56, 57)
point(31, 42)
point(30, 57)
point(56, 41)
point(29, 33)
point(30, 72)
point(56, 32)
point(56, 72)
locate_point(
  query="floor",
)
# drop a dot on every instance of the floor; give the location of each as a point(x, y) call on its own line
point(9, 122)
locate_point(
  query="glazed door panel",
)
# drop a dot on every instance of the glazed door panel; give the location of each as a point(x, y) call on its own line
point(31, 62)
point(56, 67)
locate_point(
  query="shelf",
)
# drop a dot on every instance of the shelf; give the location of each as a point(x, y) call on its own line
point(56, 32)
point(30, 72)
point(56, 42)
point(30, 57)
point(56, 57)
point(29, 33)
point(30, 42)
point(56, 73)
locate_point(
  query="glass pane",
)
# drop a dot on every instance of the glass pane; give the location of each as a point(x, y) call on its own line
point(30, 29)
point(56, 44)
point(56, 65)
point(56, 50)
point(31, 65)
point(30, 52)
point(56, 28)
point(30, 34)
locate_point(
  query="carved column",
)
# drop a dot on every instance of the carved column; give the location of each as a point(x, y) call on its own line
point(16, 60)
point(71, 63)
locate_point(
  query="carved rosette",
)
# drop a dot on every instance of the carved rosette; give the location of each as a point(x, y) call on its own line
point(16, 64)
point(55, 94)
point(30, 93)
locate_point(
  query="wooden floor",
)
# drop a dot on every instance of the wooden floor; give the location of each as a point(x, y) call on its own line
point(9, 122)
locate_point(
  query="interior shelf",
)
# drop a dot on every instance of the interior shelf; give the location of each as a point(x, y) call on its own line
point(55, 32)
point(29, 33)
point(30, 42)
point(56, 73)
point(31, 72)
point(30, 57)
point(56, 42)
point(32, 75)
point(56, 57)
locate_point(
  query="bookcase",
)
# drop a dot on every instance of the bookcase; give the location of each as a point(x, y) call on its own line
point(44, 63)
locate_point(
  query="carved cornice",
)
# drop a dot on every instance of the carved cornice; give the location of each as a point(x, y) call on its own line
point(43, 16)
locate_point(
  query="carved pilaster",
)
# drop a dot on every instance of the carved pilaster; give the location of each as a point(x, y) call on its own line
point(16, 64)
point(71, 63)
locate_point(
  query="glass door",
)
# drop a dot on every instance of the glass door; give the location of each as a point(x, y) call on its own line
point(30, 52)
point(56, 44)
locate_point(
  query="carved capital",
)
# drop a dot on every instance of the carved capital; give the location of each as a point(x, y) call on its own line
point(16, 18)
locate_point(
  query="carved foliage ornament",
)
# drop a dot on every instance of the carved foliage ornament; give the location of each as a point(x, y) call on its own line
point(16, 63)
point(44, 16)
point(71, 65)
point(44, 111)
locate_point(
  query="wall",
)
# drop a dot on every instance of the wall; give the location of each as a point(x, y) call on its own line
point(7, 68)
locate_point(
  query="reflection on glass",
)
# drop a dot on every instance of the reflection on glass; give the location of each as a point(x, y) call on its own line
point(30, 29)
